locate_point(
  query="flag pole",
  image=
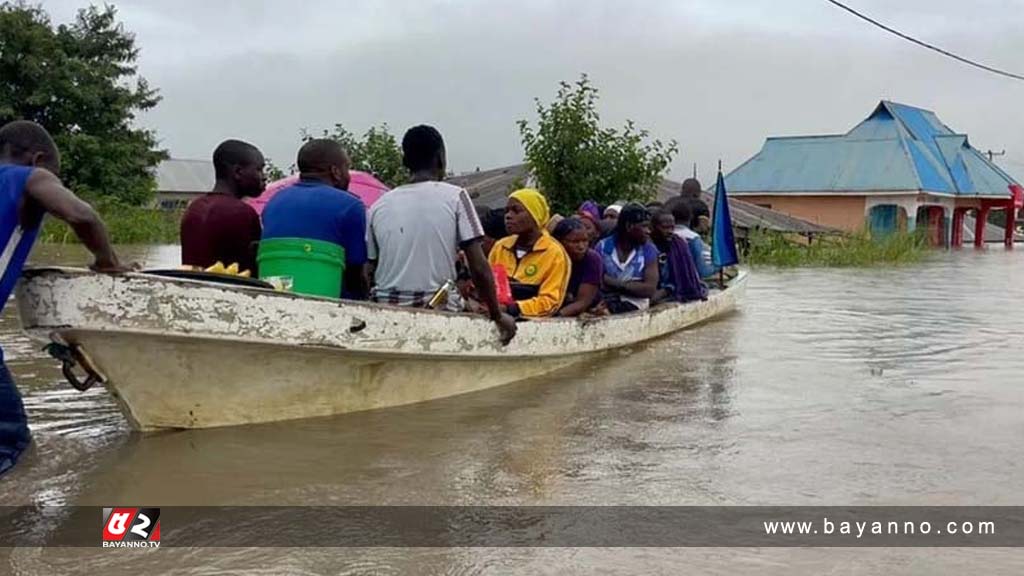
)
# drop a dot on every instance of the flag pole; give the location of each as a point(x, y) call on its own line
point(721, 269)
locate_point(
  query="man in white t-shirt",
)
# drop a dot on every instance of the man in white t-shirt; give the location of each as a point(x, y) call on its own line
point(414, 234)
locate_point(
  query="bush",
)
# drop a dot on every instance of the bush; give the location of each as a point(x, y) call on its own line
point(126, 225)
point(774, 249)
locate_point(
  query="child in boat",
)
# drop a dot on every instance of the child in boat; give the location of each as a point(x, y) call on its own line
point(630, 262)
point(677, 274)
point(29, 188)
point(538, 265)
point(584, 291)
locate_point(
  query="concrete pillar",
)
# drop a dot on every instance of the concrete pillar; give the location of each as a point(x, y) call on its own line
point(1011, 223)
point(946, 226)
point(979, 226)
point(958, 226)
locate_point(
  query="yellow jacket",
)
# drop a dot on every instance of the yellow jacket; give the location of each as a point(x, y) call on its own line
point(540, 278)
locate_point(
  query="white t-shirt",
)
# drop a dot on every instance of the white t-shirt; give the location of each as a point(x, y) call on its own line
point(414, 232)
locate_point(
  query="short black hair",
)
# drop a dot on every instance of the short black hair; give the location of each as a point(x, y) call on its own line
point(662, 213)
point(421, 146)
point(23, 136)
point(632, 213)
point(698, 208)
point(566, 227)
point(231, 153)
point(493, 222)
point(680, 208)
point(319, 154)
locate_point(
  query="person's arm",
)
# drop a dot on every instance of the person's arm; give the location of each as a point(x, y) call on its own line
point(639, 288)
point(551, 291)
point(47, 192)
point(704, 267)
point(585, 297)
point(483, 279)
point(356, 252)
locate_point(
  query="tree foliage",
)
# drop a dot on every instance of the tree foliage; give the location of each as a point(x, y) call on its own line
point(376, 152)
point(574, 159)
point(80, 81)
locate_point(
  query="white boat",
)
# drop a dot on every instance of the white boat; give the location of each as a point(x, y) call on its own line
point(180, 353)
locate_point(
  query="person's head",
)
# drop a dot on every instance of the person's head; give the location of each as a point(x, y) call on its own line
point(555, 220)
point(654, 205)
point(324, 160)
point(634, 224)
point(28, 144)
point(590, 216)
point(663, 224)
point(571, 233)
point(423, 152)
point(680, 209)
point(493, 222)
point(690, 189)
point(526, 212)
point(240, 165)
point(612, 212)
point(700, 216)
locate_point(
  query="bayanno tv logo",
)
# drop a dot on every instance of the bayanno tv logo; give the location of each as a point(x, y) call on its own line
point(131, 527)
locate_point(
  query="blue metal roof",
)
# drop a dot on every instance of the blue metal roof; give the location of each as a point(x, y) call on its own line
point(898, 148)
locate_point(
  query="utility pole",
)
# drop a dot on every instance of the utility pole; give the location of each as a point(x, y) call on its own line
point(991, 154)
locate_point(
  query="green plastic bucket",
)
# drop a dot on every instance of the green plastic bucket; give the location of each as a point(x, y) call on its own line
point(316, 267)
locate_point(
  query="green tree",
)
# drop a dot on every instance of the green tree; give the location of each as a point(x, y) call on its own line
point(574, 159)
point(80, 81)
point(376, 152)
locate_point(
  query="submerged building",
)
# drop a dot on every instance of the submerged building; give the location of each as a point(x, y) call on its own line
point(900, 169)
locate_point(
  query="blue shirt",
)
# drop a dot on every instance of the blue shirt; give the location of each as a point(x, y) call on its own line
point(15, 242)
point(318, 212)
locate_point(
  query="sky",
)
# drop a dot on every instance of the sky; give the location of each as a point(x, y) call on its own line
point(717, 76)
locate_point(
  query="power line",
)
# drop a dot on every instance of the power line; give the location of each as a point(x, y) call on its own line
point(925, 44)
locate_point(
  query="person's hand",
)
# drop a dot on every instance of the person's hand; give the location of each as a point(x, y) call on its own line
point(112, 267)
point(506, 328)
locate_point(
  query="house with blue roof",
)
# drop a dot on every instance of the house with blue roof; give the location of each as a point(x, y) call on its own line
point(899, 169)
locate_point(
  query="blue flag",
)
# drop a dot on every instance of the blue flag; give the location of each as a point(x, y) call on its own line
point(723, 245)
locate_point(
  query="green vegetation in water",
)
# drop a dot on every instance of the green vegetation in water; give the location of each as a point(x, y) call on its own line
point(774, 249)
point(126, 224)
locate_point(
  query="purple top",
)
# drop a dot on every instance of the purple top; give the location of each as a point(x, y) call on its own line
point(589, 270)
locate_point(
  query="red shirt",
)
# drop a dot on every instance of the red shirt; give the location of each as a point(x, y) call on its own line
point(219, 227)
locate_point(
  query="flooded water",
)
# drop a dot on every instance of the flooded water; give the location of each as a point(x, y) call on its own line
point(829, 387)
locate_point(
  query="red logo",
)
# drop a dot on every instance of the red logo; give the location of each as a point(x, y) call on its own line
point(131, 527)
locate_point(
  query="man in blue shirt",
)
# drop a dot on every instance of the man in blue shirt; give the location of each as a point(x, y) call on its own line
point(319, 207)
point(29, 189)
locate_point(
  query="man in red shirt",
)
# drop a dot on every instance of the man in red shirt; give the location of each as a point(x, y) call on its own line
point(220, 226)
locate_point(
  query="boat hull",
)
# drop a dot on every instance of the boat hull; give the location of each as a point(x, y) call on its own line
point(188, 354)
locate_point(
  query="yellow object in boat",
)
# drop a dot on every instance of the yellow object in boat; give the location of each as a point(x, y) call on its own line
point(217, 268)
point(232, 269)
point(245, 274)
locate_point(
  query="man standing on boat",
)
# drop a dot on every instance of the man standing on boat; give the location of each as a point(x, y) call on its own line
point(415, 231)
point(29, 188)
point(220, 227)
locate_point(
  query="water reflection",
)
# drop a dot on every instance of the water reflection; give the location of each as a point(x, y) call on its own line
point(888, 386)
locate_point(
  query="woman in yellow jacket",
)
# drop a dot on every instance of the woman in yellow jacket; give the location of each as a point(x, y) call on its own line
point(537, 265)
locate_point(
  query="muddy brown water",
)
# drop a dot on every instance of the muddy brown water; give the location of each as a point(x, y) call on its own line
point(892, 386)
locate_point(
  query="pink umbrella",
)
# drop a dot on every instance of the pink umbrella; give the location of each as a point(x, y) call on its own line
point(363, 185)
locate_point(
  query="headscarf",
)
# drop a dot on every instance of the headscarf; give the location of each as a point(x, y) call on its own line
point(590, 211)
point(555, 220)
point(535, 204)
point(614, 209)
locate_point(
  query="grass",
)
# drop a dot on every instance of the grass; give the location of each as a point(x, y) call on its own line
point(855, 250)
point(126, 225)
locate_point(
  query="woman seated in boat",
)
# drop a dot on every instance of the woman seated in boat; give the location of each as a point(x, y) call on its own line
point(584, 291)
point(630, 262)
point(678, 280)
point(590, 215)
point(537, 265)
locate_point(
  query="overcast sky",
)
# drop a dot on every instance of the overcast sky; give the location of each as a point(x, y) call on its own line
point(719, 76)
